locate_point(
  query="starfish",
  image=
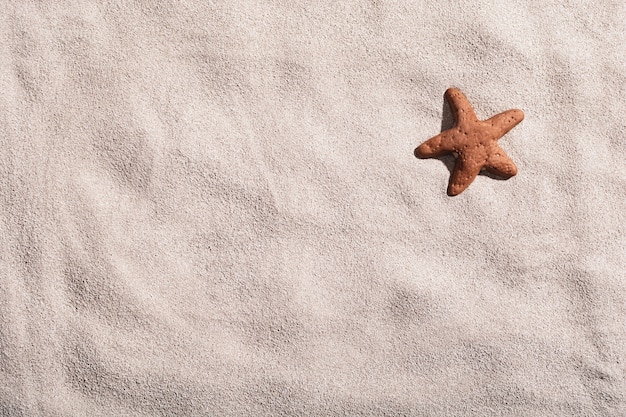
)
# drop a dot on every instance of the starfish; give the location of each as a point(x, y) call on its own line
point(473, 142)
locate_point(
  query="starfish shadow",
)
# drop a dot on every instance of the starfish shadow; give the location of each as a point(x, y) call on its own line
point(447, 122)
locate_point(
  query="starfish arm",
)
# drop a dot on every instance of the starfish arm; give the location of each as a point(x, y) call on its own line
point(501, 165)
point(464, 173)
point(502, 123)
point(460, 106)
point(435, 146)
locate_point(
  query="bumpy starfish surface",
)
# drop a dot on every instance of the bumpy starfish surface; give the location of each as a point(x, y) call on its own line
point(473, 141)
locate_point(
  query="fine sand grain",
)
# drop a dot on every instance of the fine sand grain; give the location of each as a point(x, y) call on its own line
point(212, 208)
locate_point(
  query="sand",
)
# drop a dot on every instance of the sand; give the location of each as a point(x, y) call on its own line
point(212, 208)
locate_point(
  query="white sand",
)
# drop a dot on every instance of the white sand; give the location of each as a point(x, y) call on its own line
point(213, 208)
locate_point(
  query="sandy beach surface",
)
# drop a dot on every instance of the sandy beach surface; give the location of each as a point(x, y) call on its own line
point(213, 208)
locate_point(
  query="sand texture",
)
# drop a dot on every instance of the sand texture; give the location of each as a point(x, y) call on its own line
point(213, 208)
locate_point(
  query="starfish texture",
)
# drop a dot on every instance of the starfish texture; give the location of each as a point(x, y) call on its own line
point(473, 141)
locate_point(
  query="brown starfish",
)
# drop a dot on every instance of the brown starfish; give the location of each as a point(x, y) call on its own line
point(473, 141)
